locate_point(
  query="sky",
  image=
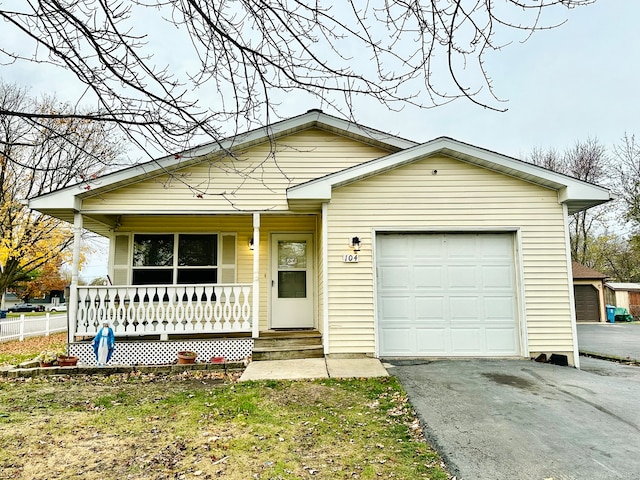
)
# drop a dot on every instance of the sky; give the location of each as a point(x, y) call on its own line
point(562, 85)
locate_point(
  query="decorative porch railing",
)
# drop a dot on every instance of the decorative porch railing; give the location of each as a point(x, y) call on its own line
point(164, 309)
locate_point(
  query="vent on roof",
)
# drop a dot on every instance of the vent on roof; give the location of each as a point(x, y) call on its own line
point(314, 110)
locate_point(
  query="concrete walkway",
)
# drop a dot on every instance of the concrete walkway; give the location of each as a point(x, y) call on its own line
point(314, 368)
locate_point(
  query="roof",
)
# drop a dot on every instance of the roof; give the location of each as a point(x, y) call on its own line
point(577, 195)
point(574, 193)
point(583, 272)
point(623, 286)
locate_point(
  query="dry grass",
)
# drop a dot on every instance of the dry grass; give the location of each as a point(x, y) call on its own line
point(15, 352)
point(204, 426)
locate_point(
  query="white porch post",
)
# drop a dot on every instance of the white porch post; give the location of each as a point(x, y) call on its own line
point(72, 309)
point(325, 277)
point(256, 276)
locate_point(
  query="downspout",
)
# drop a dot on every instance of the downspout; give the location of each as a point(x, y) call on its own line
point(325, 277)
point(256, 276)
point(572, 303)
point(72, 310)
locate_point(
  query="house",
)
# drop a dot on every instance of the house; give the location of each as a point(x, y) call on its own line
point(381, 246)
point(588, 293)
point(624, 295)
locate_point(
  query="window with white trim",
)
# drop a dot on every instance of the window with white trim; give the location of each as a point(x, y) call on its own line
point(175, 258)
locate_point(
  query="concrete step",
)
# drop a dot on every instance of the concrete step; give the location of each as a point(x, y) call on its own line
point(287, 353)
point(287, 341)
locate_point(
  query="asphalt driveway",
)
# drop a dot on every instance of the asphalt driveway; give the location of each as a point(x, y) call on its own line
point(618, 340)
point(512, 419)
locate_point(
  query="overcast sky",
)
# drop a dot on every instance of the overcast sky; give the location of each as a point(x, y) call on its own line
point(576, 81)
point(563, 85)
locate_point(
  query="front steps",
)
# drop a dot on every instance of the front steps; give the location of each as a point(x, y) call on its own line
point(287, 345)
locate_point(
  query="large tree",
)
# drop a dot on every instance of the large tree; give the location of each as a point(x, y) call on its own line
point(589, 161)
point(171, 69)
point(627, 154)
point(35, 160)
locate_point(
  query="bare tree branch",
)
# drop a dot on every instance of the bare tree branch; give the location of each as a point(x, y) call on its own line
point(234, 59)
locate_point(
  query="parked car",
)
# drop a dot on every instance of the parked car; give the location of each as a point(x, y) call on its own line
point(58, 308)
point(26, 307)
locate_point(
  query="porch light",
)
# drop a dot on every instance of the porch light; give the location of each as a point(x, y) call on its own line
point(355, 244)
point(251, 246)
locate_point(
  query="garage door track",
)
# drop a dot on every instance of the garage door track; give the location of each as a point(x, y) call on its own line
point(501, 419)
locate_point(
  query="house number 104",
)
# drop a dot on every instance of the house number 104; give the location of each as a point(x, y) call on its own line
point(350, 258)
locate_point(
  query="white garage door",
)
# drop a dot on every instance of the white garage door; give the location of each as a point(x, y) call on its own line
point(446, 295)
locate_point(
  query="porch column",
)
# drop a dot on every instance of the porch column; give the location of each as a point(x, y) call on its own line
point(72, 309)
point(325, 277)
point(256, 276)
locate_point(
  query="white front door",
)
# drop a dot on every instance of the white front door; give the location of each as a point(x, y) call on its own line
point(292, 283)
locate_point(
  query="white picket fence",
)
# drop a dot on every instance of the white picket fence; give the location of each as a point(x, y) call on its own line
point(23, 327)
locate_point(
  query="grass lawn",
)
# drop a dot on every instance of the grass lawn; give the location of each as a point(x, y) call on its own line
point(15, 352)
point(204, 425)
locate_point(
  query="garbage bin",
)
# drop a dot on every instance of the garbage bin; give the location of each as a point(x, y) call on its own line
point(611, 313)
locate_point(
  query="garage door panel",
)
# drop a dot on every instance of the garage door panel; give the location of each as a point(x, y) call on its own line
point(428, 276)
point(451, 294)
point(462, 276)
point(399, 307)
point(466, 341)
point(431, 341)
point(499, 309)
point(497, 277)
point(463, 308)
point(423, 247)
point(461, 246)
point(501, 341)
point(429, 308)
point(398, 341)
point(395, 277)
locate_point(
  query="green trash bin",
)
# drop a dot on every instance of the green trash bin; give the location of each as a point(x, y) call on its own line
point(623, 315)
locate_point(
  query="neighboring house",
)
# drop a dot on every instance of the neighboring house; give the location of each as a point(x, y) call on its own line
point(588, 292)
point(386, 247)
point(624, 295)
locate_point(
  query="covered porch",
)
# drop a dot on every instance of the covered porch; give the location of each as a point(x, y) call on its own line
point(153, 316)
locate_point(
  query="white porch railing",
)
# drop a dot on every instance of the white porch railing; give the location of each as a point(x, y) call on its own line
point(164, 309)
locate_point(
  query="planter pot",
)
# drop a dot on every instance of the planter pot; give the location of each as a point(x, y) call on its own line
point(45, 364)
point(67, 361)
point(217, 360)
point(185, 358)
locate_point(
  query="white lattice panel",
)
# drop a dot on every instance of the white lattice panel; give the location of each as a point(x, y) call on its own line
point(160, 353)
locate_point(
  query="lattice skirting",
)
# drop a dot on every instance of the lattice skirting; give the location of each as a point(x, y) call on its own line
point(159, 353)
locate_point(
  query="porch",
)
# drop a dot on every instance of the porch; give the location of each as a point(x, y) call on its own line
point(154, 322)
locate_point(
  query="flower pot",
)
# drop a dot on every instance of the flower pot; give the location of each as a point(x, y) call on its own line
point(186, 357)
point(45, 364)
point(217, 360)
point(65, 361)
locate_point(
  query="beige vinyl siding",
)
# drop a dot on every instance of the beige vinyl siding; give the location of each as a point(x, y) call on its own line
point(461, 197)
point(242, 225)
point(256, 179)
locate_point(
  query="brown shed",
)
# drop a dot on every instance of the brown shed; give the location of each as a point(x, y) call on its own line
point(588, 291)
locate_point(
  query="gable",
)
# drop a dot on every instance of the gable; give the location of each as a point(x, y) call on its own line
point(576, 194)
point(253, 179)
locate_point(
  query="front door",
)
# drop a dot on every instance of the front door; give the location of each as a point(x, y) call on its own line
point(292, 283)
